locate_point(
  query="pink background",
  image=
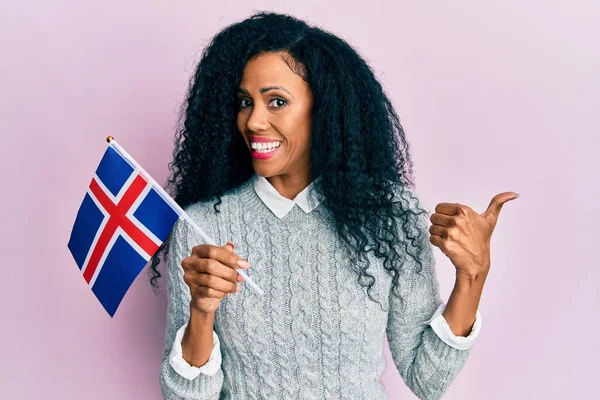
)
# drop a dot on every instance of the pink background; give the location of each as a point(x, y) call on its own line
point(501, 96)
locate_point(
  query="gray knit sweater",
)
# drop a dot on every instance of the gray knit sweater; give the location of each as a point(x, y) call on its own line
point(315, 334)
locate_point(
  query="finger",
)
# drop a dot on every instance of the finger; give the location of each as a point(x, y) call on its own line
point(438, 231)
point(448, 208)
point(221, 254)
point(216, 268)
point(442, 220)
point(206, 292)
point(437, 242)
point(216, 283)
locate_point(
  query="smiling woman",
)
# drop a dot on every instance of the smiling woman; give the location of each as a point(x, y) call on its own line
point(275, 121)
point(276, 155)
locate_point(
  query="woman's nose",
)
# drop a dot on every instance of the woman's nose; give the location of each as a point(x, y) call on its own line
point(258, 120)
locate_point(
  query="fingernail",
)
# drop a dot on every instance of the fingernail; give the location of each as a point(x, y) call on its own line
point(243, 263)
point(238, 289)
point(241, 278)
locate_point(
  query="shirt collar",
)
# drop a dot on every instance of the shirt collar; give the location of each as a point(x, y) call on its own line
point(280, 205)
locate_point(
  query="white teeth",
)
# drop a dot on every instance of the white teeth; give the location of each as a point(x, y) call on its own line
point(264, 147)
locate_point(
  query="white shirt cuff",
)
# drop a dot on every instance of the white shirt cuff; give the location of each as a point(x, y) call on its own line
point(442, 329)
point(188, 371)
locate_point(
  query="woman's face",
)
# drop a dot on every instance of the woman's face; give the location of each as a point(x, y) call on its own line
point(274, 117)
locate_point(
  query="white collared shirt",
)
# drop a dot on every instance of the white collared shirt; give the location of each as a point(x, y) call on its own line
point(280, 206)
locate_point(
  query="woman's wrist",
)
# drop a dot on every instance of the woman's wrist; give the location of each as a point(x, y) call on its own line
point(200, 318)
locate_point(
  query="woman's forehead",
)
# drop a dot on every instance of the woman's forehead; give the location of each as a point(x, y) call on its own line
point(270, 70)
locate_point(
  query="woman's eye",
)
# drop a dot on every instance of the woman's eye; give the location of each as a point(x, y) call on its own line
point(241, 103)
point(279, 102)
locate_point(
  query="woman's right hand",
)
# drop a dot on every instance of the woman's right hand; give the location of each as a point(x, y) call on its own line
point(210, 274)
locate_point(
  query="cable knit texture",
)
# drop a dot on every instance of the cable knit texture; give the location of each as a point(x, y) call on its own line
point(315, 334)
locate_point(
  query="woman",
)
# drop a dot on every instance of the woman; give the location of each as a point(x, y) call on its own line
point(280, 114)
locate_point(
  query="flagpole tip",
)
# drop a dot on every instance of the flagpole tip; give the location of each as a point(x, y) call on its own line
point(109, 139)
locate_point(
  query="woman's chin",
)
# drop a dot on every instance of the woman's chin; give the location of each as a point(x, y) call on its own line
point(264, 170)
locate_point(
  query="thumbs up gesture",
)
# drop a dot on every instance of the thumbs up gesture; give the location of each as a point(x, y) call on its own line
point(464, 236)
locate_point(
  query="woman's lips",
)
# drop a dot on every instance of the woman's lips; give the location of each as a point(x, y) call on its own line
point(264, 156)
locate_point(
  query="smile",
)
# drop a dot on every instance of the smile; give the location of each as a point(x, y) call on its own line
point(264, 147)
point(264, 150)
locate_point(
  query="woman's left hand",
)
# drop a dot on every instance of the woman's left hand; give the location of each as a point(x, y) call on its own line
point(464, 235)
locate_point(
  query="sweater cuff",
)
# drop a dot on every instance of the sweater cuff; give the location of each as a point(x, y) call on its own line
point(442, 329)
point(188, 371)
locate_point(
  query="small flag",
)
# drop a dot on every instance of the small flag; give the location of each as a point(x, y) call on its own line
point(123, 219)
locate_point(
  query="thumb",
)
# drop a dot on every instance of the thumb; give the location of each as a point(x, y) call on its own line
point(493, 210)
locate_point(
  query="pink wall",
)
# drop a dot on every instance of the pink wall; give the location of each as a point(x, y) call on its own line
point(495, 97)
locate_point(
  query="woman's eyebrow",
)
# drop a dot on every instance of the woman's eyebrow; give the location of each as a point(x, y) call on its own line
point(266, 89)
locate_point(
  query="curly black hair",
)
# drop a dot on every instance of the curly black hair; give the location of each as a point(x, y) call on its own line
point(358, 145)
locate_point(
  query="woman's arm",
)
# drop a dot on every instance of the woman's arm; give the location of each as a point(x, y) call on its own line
point(426, 363)
point(174, 385)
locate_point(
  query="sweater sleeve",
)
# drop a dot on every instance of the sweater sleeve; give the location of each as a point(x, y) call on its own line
point(173, 385)
point(426, 363)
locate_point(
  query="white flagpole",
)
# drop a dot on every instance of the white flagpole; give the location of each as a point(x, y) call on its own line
point(182, 214)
